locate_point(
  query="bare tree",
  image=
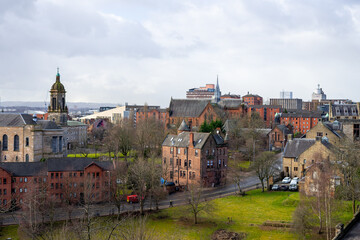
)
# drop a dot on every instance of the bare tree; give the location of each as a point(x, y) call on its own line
point(139, 175)
point(264, 167)
point(156, 191)
point(118, 185)
point(348, 162)
point(196, 202)
point(122, 136)
point(149, 137)
point(235, 173)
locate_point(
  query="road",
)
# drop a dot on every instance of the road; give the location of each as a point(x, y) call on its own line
point(179, 198)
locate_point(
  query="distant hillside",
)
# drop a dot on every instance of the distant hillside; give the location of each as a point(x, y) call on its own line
point(71, 105)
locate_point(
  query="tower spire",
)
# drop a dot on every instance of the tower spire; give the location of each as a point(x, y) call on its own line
point(57, 75)
point(217, 94)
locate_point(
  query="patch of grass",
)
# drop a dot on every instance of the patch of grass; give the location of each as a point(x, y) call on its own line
point(244, 164)
point(9, 232)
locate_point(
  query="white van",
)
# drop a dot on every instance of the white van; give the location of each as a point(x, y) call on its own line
point(293, 185)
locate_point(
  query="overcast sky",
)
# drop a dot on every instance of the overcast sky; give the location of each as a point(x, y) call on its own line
point(140, 51)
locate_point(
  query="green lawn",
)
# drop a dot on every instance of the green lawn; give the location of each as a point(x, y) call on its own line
point(248, 215)
point(244, 164)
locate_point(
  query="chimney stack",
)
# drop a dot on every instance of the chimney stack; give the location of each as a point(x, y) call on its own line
point(191, 139)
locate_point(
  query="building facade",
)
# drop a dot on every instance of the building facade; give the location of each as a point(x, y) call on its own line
point(206, 92)
point(299, 154)
point(26, 139)
point(195, 158)
point(287, 103)
point(266, 112)
point(252, 99)
point(301, 121)
point(62, 179)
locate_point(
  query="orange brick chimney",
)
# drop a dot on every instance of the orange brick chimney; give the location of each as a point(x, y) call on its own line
point(191, 139)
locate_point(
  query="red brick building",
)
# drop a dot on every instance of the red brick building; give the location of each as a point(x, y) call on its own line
point(157, 114)
point(193, 112)
point(194, 157)
point(266, 112)
point(301, 121)
point(196, 112)
point(252, 99)
point(279, 136)
point(71, 179)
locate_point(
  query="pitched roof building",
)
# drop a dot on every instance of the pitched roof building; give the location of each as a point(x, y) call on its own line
point(195, 158)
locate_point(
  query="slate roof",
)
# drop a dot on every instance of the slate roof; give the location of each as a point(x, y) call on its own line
point(182, 140)
point(48, 125)
point(24, 169)
point(251, 95)
point(230, 103)
point(51, 165)
point(265, 106)
point(74, 164)
point(296, 147)
point(344, 110)
point(303, 114)
point(284, 129)
point(183, 126)
point(15, 119)
point(187, 107)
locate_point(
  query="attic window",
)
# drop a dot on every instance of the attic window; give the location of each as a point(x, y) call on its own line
point(200, 140)
point(172, 139)
point(180, 139)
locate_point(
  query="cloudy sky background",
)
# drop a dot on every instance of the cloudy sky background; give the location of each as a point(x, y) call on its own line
point(138, 51)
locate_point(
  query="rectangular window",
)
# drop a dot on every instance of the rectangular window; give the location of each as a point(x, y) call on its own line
point(70, 174)
point(171, 161)
point(75, 174)
point(179, 150)
point(171, 174)
point(27, 142)
point(295, 168)
point(60, 144)
point(61, 175)
point(184, 173)
point(179, 162)
point(189, 163)
point(97, 175)
point(53, 144)
point(219, 163)
point(56, 185)
point(164, 160)
point(52, 175)
point(180, 173)
point(171, 150)
point(196, 152)
point(185, 163)
point(208, 164)
point(25, 179)
point(5, 191)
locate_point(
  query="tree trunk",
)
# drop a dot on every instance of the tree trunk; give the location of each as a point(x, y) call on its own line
point(195, 218)
point(262, 185)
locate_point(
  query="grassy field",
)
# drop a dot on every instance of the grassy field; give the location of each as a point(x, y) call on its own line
point(247, 213)
point(244, 164)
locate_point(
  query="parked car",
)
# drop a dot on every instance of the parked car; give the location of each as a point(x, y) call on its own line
point(293, 185)
point(296, 179)
point(275, 187)
point(132, 199)
point(170, 187)
point(283, 188)
point(286, 180)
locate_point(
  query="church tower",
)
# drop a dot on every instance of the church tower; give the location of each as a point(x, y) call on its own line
point(58, 111)
point(217, 94)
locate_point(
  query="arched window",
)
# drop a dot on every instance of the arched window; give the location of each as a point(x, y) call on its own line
point(27, 157)
point(16, 143)
point(5, 142)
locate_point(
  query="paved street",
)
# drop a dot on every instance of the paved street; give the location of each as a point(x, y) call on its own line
point(179, 198)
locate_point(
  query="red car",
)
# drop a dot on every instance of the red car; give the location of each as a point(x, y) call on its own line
point(132, 199)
